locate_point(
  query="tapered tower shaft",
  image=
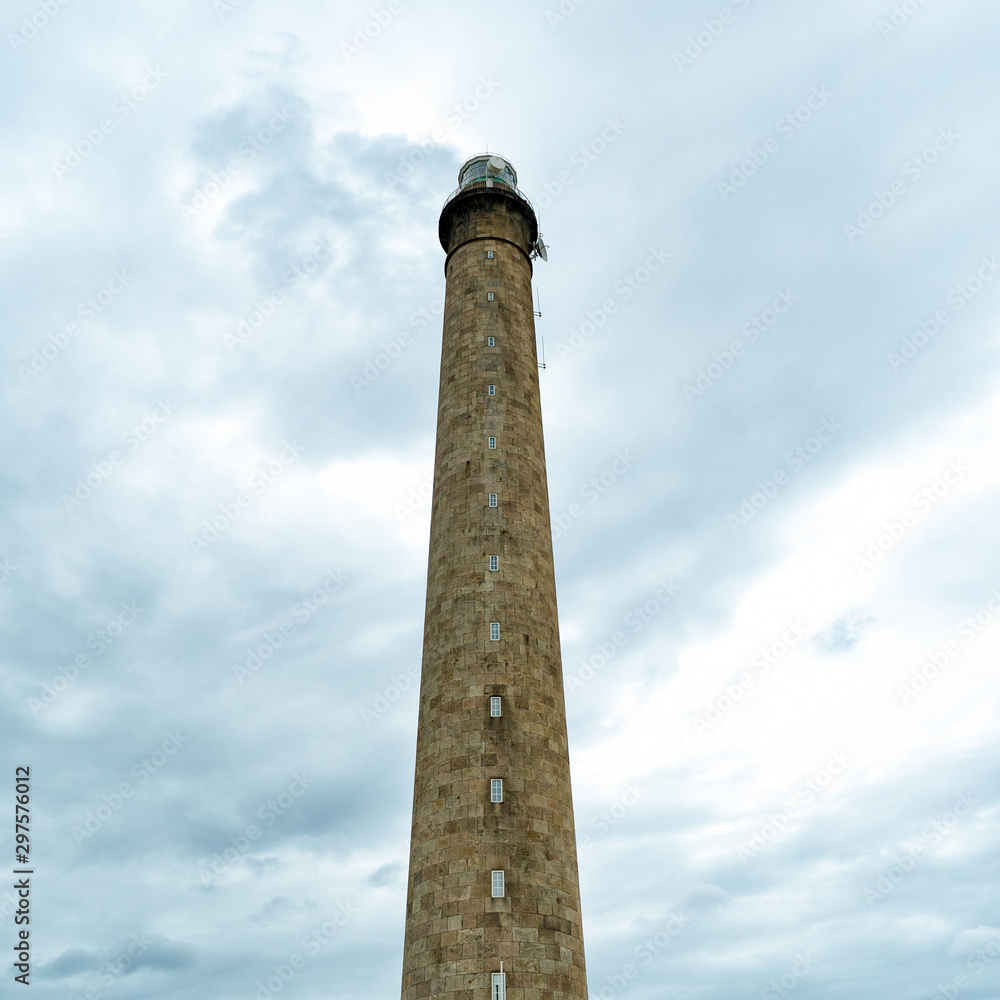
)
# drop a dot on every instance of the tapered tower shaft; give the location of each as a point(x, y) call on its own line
point(493, 870)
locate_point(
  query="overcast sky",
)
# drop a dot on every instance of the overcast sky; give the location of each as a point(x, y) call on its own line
point(773, 440)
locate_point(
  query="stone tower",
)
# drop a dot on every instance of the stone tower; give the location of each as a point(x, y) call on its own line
point(493, 874)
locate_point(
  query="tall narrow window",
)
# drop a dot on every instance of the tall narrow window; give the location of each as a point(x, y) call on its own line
point(492, 390)
point(490, 342)
point(495, 706)
point(499, 986)
point(494, 563)
point(498, 886)
point(489, 253)
point(493, 500)
point(489, 296)
point(494, 631)
point(493, 442)
point(496, 790)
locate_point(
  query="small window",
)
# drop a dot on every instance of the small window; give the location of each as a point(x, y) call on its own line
point(499, 985)
point(492, 390)
point(489, 296)
point(498, 886)
point(495, 706)
point(493, 442)
point(496, 790)
point(494, 631)
point(490, 342)
point(493, 500)
point(489, 253)
point(494, 563)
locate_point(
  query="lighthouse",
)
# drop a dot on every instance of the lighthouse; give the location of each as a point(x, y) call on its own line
point(493, 898)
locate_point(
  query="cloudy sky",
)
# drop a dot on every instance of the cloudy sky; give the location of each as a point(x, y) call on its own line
point(773, 438)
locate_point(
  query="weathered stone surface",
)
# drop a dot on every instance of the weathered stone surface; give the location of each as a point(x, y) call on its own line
point(456, 933)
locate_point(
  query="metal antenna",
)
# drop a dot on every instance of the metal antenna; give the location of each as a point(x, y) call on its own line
point(538, 312)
